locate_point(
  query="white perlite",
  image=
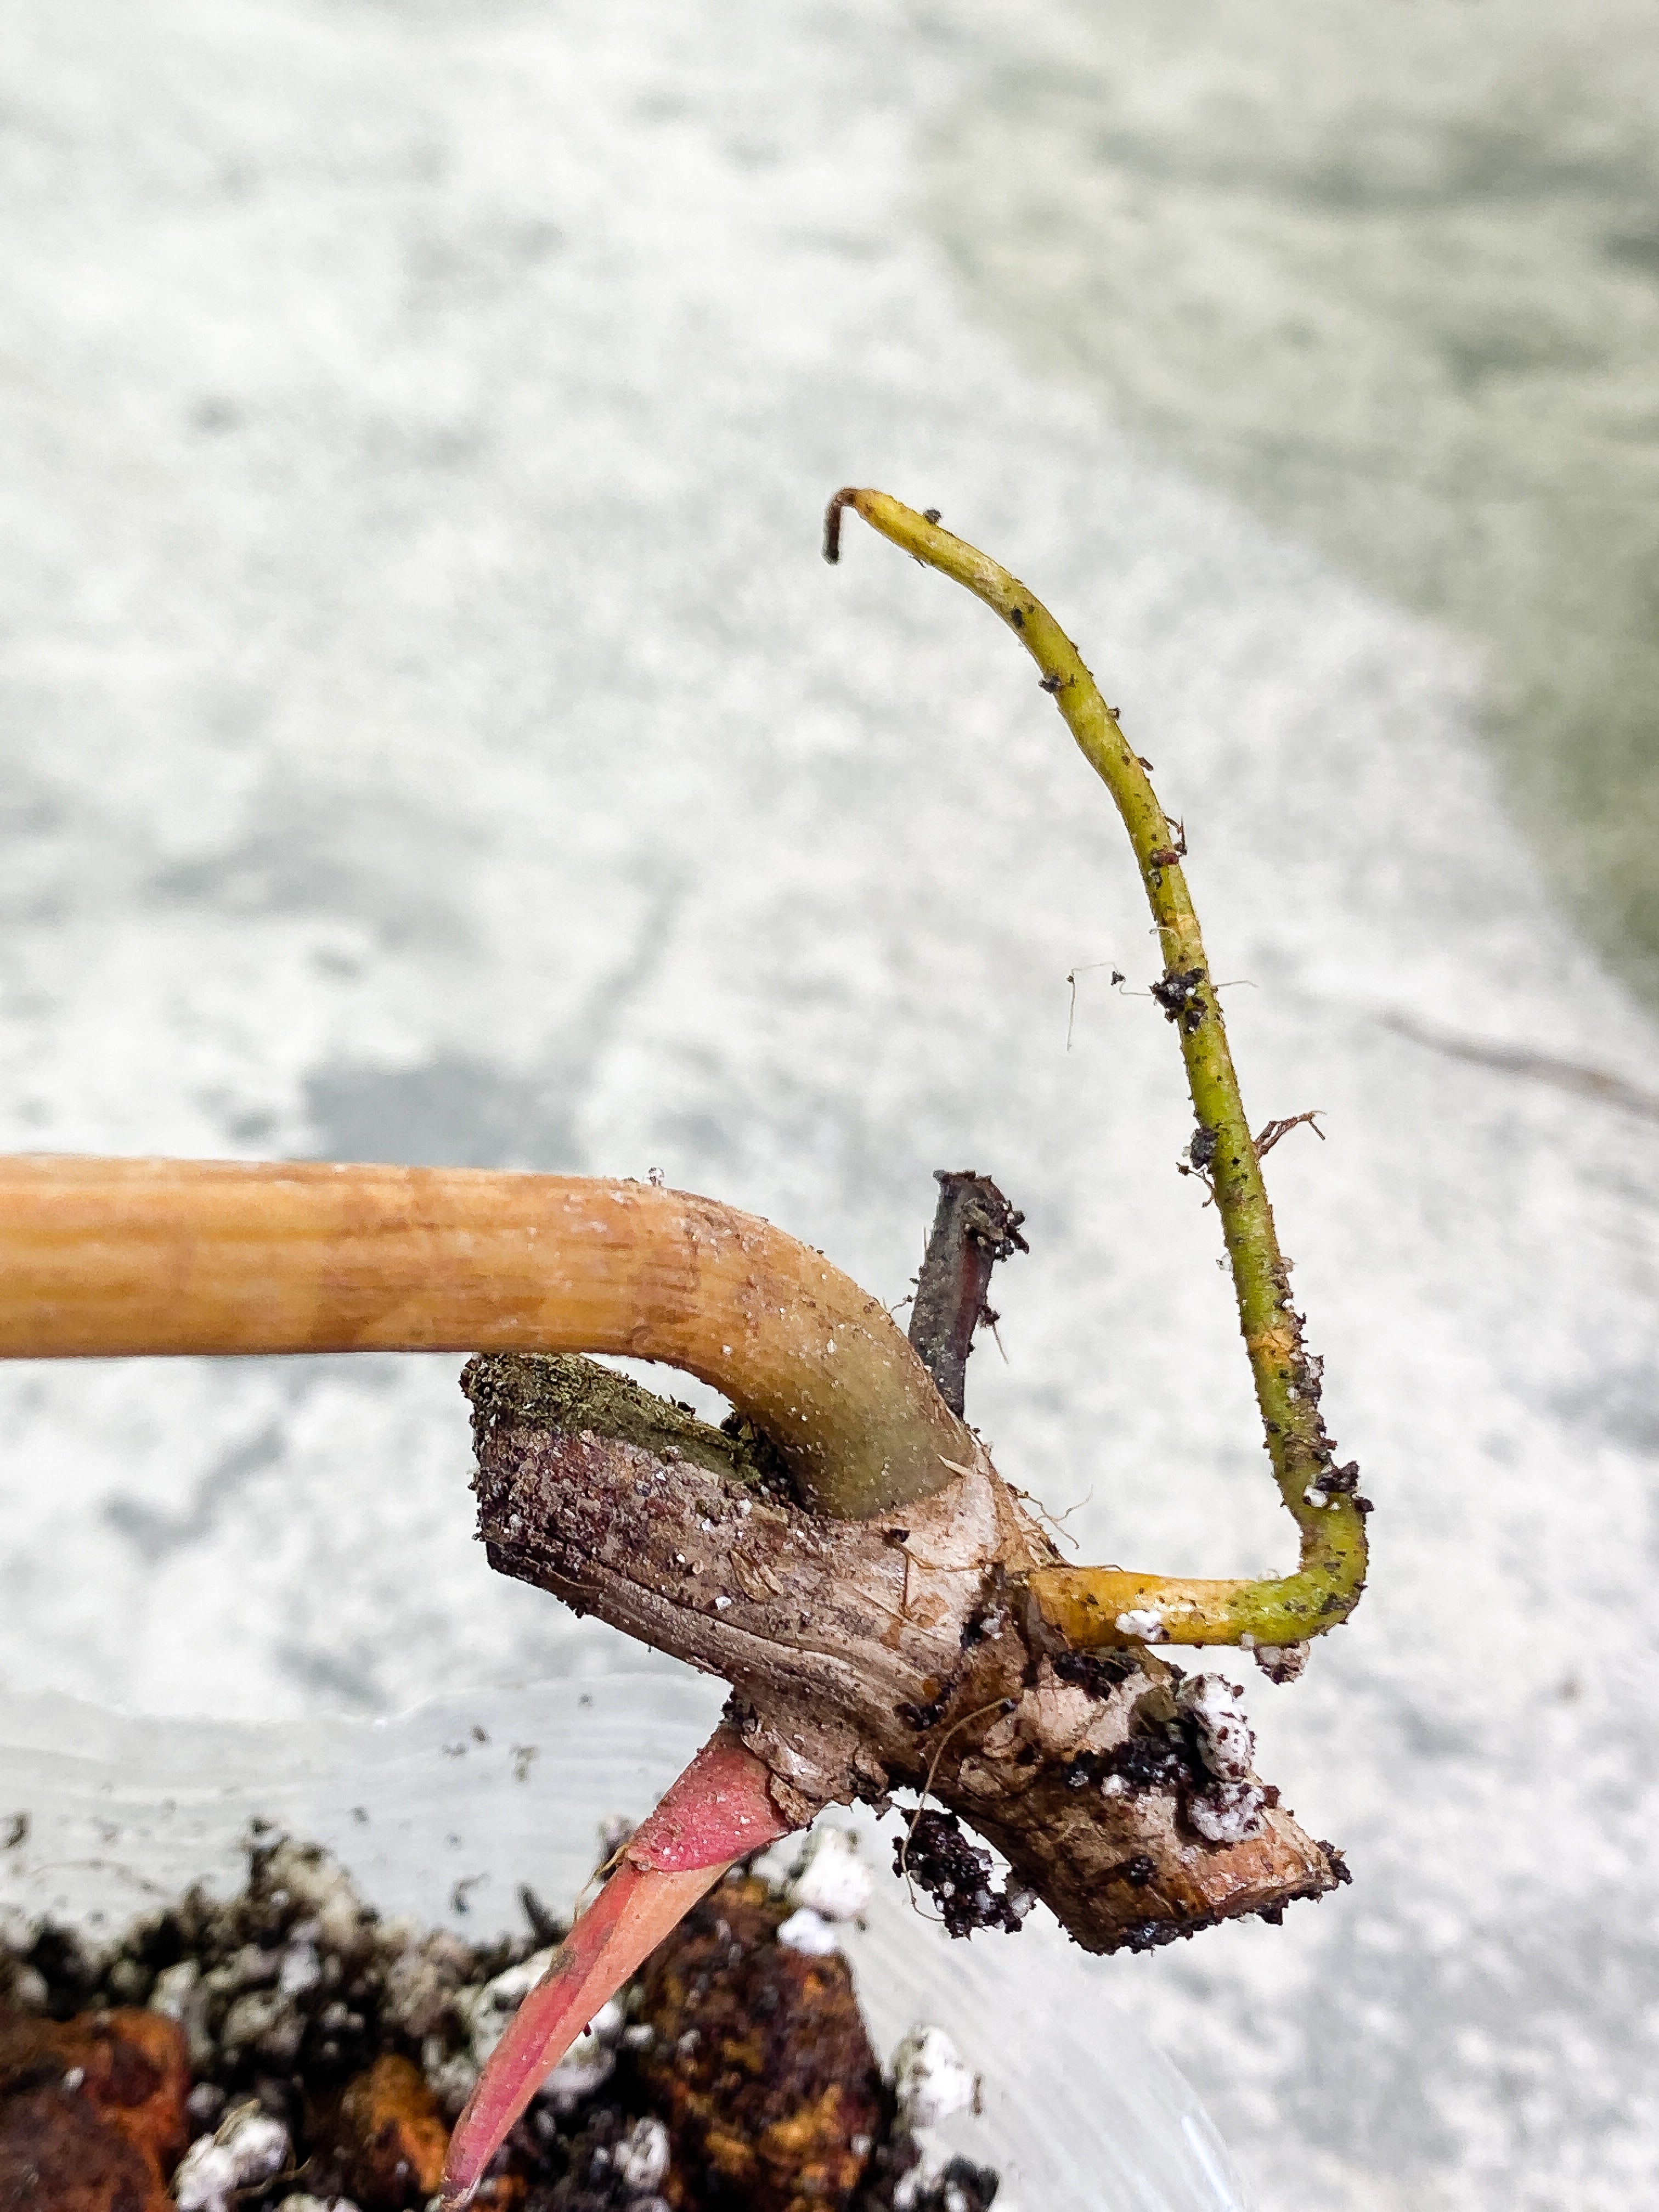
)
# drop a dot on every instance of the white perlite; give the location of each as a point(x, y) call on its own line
point(248, 2147)
point(834, 1882)
point(316, 2204)
point(424, 1981)
point(1227, 1813)
point(317, 1881)
point(809, 1932)
point(910, 2186)
point(1230, 1808)
point(1281, 1663)
point(1226, 1742)
point(264, 2020)
point(174, 1985)
point(589, 2062)
point(488, 2008)
point(931, 2080)
point(301, 1968)
point(641, 2156)
point(1144, 1623)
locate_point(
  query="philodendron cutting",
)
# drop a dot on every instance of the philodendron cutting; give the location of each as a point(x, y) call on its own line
point(888, 1612)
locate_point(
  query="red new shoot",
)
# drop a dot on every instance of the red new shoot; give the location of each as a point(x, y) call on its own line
point(718, 1812)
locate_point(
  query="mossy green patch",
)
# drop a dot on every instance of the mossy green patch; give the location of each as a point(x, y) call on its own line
point(563, 1391)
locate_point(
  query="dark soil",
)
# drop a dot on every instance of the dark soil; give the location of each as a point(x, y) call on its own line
point(939, 1858)
point(736, 2075)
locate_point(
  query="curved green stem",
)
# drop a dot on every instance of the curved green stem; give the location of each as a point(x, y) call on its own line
point(1087, 1604)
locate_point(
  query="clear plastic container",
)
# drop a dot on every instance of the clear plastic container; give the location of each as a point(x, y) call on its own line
point(444, 1811)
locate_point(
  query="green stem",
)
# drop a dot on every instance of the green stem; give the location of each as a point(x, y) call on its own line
point(1085, 1603)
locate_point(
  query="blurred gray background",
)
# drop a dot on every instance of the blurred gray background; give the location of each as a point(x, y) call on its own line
point(430, 734)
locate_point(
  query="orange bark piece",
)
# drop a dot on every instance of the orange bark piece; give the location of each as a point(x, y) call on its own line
point(391, 2138)
point(133, 2068)
point(761, 2066)
point(58, 2153)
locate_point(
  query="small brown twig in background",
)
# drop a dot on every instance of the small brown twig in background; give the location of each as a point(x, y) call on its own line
point(1570, 1075)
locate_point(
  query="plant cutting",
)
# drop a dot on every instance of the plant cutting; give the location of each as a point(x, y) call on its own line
point(890, 1613)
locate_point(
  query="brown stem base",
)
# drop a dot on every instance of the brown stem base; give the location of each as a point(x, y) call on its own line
point(866, 1656)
